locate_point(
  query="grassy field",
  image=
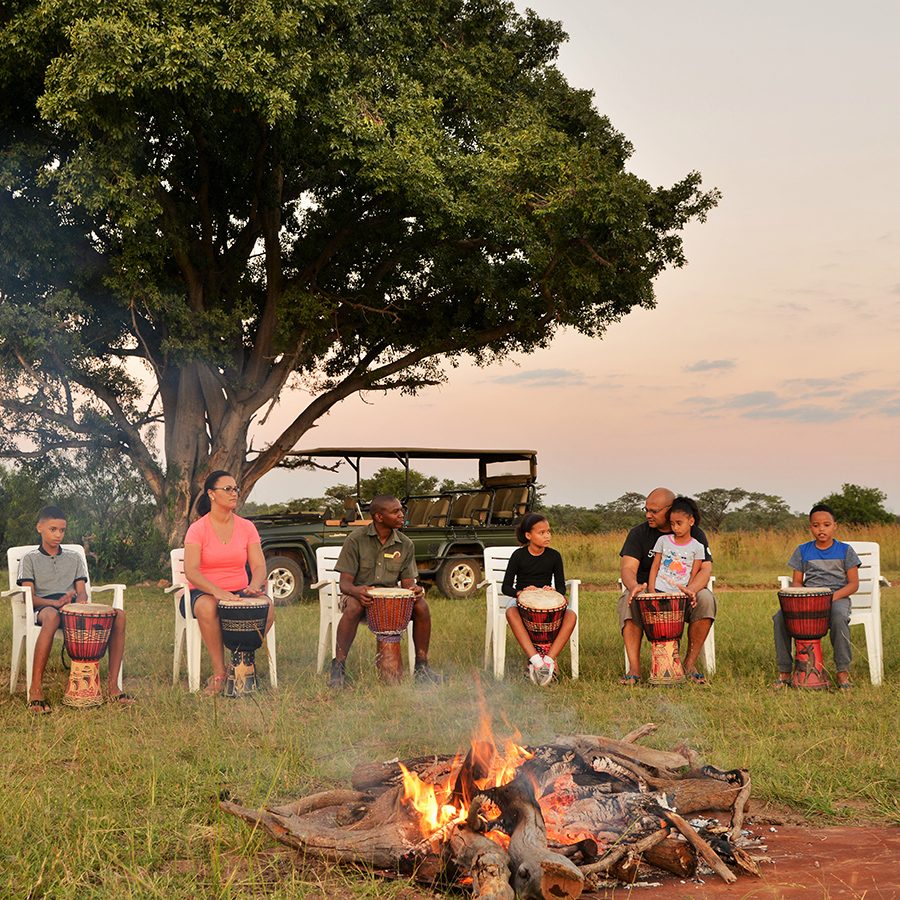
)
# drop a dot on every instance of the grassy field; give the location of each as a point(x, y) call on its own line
point(117, 802)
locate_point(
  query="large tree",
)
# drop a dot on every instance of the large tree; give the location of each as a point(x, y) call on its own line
point(205, 203)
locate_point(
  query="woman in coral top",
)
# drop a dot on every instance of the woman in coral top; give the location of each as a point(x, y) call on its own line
point(218, 549)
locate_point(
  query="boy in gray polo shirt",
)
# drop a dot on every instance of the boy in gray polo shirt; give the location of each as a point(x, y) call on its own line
point(58, 577)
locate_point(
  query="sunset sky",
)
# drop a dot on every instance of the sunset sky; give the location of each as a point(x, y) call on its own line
point(771, 361)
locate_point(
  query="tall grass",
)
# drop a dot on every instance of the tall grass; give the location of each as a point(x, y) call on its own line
point(741, 559)
point(116, 802)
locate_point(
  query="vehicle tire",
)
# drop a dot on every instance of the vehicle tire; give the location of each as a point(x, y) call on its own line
point(285, 579)
point(458, 577)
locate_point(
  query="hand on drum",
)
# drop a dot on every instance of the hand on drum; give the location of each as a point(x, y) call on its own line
point(364, 597)
point(637, 589)
point(691, 595)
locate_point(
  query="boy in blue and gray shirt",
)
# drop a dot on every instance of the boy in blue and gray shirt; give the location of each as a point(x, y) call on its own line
point(834, 566)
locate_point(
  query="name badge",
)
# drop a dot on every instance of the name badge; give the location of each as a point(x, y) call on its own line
point(394, 555)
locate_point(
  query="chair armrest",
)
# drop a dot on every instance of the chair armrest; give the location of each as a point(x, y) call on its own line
point(13, 591)
point(118, 592)
point(784, 581)
point(174, 587)
point(322, 583)
point(482, 584)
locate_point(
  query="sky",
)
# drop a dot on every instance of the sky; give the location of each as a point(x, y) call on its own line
point(771, 360)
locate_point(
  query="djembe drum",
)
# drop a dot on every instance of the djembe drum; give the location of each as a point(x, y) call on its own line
point(542, 614)
point(243, 626)
point(86, 631)
point(387, 618)
point(662, 618)
point(807, 612)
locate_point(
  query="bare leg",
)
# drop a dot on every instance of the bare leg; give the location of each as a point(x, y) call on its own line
point(421, 616)
point(49, 619)
point(270, 615)
point(631, 635)
point(206, 611)
point(116, 652)
point(514, 618)
point(565, 632)
point(346, 630)
point(697, 633)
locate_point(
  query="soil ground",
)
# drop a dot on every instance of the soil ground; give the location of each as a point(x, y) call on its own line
point(805, 863)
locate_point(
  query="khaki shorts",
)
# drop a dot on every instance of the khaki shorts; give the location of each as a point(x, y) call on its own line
point(705, 608)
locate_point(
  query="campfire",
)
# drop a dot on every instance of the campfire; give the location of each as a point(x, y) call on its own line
point(509, 821)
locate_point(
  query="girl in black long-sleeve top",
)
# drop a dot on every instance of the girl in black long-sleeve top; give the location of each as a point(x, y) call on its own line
point(536, 565)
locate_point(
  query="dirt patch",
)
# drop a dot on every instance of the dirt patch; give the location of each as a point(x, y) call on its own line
point(804, 863)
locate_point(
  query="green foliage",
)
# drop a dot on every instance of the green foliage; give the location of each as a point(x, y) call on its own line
point(736, 509)
point(226, 199)
point(107, 505)
point(859, 505)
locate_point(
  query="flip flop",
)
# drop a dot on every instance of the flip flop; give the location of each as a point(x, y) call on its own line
point(696, 677)
point(630, 680)
point(845, 685)
point(121, 698)
point(215, 685)
point(39, 707)
point(781, 685)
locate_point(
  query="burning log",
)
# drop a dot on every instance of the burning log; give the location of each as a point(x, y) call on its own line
point(531, 823)
point(485, 861)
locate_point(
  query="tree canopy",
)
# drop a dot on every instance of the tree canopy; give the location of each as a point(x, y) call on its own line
point(859, 505)
point(204, 203)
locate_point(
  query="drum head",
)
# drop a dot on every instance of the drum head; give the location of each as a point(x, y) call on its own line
point(87, 609)
point(390, 593)
point(539, 598)
point(657, 595)
point(805, 591)
point(244, 603)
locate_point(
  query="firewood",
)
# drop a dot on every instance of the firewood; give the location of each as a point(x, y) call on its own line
point(740, 802)
point(537, 872)
point(710, 857)
point(662, 760)
point(673, 855)
point(377, 777)
point(608, 862)
point(634, 736)
point(485, 861)
point(319, 801)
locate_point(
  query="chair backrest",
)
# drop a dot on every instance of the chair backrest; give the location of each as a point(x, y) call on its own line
point(176, 560)
point(869, 594)
point(326, 557)
point(496, 560)
point(14, 558)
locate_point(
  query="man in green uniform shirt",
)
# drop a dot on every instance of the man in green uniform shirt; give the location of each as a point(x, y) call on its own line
point(380, 556)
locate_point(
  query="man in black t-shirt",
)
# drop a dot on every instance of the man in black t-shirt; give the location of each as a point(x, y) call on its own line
point(637, 557)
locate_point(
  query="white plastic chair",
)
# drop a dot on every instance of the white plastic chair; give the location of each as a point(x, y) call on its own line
point(496, 560)
point(187, 630)
point(25, 632)
point(708, 650)
point(328, 585)
point(865, 604)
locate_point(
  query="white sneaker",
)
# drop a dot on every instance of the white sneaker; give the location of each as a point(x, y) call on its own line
point(545, 673)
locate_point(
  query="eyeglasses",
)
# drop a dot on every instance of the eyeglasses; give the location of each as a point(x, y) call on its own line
point(227, 490)
point(652, 511)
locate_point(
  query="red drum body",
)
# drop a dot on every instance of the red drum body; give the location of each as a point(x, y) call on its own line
point(243, 627)
point(86, 631)
point(662, 618)
point(807, 612)
point(542, 613)
point(387, 618)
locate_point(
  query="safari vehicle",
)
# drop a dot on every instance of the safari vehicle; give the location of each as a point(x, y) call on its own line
point(450, 530)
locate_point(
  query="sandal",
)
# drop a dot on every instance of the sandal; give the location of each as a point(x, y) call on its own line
point(781, 684)
point(121, 698)
point(39, 707)
point(696, 677)
point(845, 685)
point(215, 685)
point(630, 680)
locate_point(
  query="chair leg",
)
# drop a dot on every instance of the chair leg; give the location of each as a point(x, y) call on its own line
point(180, 641)
point(872, 651)
point(411, 648)
point(573, 650)
point(488, 629)
point(325, 623)
point(273, 662)
point(18, 648)
point(708, 652)
point(193, 654)
point(500, 644)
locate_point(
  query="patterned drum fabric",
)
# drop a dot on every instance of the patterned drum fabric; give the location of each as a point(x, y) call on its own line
point(542, 614)
point(86, 631)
